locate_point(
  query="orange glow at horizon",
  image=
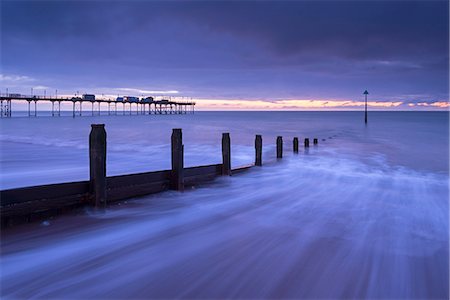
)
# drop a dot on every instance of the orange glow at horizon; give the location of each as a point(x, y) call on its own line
point(243, 104)
point(440, 104)
point(288, 104)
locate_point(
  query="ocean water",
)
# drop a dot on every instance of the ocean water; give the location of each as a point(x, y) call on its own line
point(365, 214)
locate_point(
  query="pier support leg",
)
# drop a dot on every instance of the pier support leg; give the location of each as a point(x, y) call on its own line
point(295, 144)
point(97, 164)
point(258, 150)
point(315, 141)
point(29, 112)
point(6, 110)
point(306, 143)
point(35, 108)
point(73, 109)
point(177, 176)
point(226, 154)
point(279, 147)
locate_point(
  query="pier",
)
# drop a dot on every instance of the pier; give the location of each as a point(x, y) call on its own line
point(145, 106)
point(27, 204)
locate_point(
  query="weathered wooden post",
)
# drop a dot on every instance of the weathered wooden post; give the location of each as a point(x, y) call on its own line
point(177, 175)
point(315, 141)
point(226, 154)
point(295, 142)
point(306, 143)
point(97, 164)
point(279, 147)
point(258, 150)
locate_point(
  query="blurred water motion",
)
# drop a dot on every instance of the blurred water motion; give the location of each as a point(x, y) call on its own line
point(309, 227)
point(336, 222)
point(46, 150)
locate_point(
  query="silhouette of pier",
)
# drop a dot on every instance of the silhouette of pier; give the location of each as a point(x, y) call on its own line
point(144, 106)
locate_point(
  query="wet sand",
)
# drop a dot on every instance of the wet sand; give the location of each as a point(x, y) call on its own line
point(297, 229)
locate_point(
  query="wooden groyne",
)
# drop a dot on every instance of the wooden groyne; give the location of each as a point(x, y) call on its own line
point(21, 205)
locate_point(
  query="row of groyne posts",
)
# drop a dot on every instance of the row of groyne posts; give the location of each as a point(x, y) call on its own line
point(21, 205)
point(97, 158)
point(128, 108)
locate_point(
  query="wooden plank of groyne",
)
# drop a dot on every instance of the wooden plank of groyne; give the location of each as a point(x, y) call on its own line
point(203, 170)
point(36, 206)
point(258, 150)
point(44, 192)
point(241, 169)
point(226, 154)
point(132, 185)
point(196, 175)
point(138, 178)
point(139, 189)
point(24, 204)
point(97, 163)
point(177, 160)
point(198, 179)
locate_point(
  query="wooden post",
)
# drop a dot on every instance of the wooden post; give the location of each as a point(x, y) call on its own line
point(295, 142)
point(97, 164)
point(258, 150)
point(226, 154)
point(177, 176)
point(306, 143)
point(279, 147)
point(315, 141)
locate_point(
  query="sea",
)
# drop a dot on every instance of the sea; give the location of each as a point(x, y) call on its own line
point(363, 214)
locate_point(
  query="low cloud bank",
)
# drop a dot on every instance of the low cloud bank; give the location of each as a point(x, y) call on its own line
point(223, 104)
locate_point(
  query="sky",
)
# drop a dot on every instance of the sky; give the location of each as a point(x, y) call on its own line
point(262, 55)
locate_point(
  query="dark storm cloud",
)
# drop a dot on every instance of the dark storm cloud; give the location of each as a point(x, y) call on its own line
point(347, 28)
point(233, 48)
point(351, 29)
